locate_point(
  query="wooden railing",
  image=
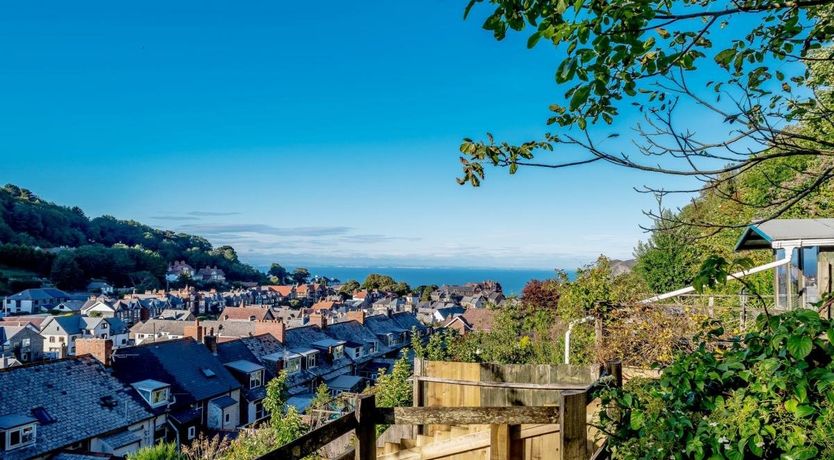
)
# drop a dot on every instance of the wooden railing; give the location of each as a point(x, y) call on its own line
point(504, 422)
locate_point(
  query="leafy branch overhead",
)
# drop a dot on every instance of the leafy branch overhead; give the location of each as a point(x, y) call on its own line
point(767, 97)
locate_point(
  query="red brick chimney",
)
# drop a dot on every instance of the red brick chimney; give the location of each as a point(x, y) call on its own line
point(356, 315)
point(276, 328)
point(195, 331)
point(100, 349)
point(318, 319)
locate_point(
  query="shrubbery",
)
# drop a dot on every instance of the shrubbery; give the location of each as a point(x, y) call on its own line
point(767, 394)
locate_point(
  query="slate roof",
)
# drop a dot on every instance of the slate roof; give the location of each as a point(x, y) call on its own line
point(71, 391)
point(40, 294)
point(353, 331)
point(383, 324)
point(479, 319)
point(75, 324)
point(408, 321)
point(7, 332)
point(179, 362)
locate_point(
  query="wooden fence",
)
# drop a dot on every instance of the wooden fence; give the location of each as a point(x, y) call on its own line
point(569, 413)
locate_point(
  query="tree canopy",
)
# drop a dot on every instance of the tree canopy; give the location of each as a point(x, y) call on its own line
point(769, 83)
point(126, 253)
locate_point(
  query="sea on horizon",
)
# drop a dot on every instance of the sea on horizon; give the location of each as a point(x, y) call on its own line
point(512, 280)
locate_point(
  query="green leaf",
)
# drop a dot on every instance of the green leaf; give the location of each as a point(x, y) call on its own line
point(531, 42)
point(800, 346)
point(804, 410)
point(725, 57)
point(636, 420)
point(579, 97)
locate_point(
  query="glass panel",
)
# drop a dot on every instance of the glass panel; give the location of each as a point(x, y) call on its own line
point(809, 272)
point(781, 282)
point(795, 278)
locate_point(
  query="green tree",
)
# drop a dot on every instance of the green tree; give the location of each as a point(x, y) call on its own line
point(321, 397)
point(163, 451)
point(378, 282)
point(766, 62)
point(285, 421)
point(66, 272)
point(280, 273)
point(424, 291)
point(667, 261)
point(347, 289)
point(394, 389)
point(300, 275)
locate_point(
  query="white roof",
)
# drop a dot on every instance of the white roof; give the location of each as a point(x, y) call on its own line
point(761, 236)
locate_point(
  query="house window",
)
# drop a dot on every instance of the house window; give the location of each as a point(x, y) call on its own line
point(338, 352)
point(26, 342)
point(192, 432)
point(259, 410)
point(311, 361)
point(61, 339)
point(256, 379)
point(20, 437)
point(159, 397)
point(228, 417)
point(293, 365)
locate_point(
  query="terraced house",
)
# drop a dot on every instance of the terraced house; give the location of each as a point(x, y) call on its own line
point(205, 395)
point(71, 405)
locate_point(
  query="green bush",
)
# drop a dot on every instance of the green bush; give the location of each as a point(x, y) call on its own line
point(767, 394)
point(163, 451)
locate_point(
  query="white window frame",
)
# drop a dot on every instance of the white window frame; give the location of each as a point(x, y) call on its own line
point(256, 379)
point(289, 365)
point(313, 357)
point(24, 431)
point(338, 352)
point(192, 432)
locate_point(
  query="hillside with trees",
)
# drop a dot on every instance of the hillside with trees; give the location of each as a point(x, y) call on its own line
point(60, 243)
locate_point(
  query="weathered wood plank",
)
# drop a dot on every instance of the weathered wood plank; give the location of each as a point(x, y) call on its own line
point(365, 428)
point(573, 431)
point(515, 415)
point(313, 440)
point(519, 386)
point(499, 442)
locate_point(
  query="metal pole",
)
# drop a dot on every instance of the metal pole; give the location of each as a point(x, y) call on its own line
point(570, 329)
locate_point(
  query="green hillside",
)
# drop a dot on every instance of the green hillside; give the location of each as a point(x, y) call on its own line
point(64, 245)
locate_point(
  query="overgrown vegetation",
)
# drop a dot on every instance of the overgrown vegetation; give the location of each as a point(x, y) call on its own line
point(766, 395)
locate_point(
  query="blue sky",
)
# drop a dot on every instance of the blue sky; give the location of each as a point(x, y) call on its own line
point(301, 132)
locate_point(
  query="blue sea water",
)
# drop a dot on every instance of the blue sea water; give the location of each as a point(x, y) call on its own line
point(512, 280)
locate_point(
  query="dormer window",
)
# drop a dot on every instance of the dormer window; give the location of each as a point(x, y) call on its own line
point(256, 379)
point(20, 437)
point(155, 393)
point(311, 360)
point(17, 431)
point(293, 365)
point(338, 352)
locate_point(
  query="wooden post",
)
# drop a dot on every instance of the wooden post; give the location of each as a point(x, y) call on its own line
point(499, 442)
point(365, 428)
point(572, 429)
point(417, 395)
point(615, 369)
point(598, 335)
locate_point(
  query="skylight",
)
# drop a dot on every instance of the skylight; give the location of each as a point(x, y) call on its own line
point(208, 372)
point(44, 417)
